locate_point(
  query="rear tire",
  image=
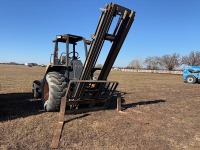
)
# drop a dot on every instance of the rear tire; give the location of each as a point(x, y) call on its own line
point(53, 89)
point(191, 79)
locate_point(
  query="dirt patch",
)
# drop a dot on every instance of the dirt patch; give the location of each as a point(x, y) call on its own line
point(162, 112)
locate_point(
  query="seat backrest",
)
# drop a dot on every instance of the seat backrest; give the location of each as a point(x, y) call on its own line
point(63, 59)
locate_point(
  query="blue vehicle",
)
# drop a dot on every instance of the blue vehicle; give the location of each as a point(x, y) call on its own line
point(191, 74)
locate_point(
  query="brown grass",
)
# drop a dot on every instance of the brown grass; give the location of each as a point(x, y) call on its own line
point(163, 113)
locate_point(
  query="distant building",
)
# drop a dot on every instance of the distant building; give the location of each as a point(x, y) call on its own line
point(117, 69)
point(29, 64)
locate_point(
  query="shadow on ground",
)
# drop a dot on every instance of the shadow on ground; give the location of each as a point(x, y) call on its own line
point(17, 105)
point(75, 118)
point(130, 105)
point(113, 102)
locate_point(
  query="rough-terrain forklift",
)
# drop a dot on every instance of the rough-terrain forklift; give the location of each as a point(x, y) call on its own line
point(67, 77)
point(191, 74)
point(70, 84)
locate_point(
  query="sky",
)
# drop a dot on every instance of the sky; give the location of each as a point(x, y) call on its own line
point(27, 28)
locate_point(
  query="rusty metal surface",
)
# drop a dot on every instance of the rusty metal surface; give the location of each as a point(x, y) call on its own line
point(119, 102)
point(120, 35)
point(62, 109)
point(125, 20)
point(58, 130)
point(57, 135)
point(92, 90)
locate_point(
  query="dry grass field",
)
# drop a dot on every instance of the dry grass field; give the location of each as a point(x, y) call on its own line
point(163, 113)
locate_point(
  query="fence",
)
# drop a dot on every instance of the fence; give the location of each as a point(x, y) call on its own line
point(152, 71)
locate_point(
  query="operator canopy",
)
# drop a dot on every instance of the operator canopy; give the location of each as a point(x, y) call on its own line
point(73, 39)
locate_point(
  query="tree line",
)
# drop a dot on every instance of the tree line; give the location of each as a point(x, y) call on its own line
point(168, 61)
point(15, 63)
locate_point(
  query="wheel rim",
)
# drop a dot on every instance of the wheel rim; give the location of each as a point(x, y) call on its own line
point(190, 79)
point(46, 91)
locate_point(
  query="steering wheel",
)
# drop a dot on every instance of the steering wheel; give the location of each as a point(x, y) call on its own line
point(76, 55)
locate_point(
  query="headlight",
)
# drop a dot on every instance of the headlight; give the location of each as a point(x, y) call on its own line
point(58, 36)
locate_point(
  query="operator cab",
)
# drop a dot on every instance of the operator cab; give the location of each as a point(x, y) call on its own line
point(69, 59)
point(69, 40)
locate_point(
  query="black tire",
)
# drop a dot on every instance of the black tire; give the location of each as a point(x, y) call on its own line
point(191, 79)
point(36, 89)
point(53, 89)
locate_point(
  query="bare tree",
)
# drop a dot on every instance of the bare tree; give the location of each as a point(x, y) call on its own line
point(170, 61)
point(99, 66)
point(136, 63)
point(152, 62)
point(193, 59)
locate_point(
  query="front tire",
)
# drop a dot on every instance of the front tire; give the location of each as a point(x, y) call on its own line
point(53, 89)
point(191, 79)
point(36, 89)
